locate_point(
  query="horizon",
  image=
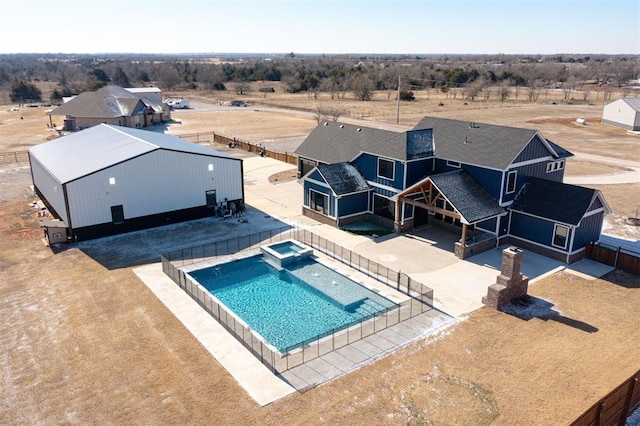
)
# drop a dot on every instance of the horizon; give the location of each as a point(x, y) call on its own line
point(269, 54)
point(329, 27)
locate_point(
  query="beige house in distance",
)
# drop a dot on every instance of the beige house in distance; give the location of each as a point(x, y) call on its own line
point(111, 105)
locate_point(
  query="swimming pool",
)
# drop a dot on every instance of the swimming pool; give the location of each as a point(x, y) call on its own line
point(290, 306)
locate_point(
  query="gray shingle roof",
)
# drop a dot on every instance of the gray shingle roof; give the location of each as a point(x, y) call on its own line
point(467, 196)
point(79, 154)
point(479, 144)
point(476, 143)
point(555, 201)
point(332, 142)
point(108, 102)
point(560, 151)
point(343, 178)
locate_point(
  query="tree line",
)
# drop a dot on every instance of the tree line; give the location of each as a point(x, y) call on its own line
point(314, 74)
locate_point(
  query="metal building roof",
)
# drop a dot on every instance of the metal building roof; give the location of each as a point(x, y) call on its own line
point(633, 103)
point(79, 154)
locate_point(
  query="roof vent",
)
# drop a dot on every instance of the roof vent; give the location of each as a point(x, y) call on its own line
point(359, 129)
point(326, 124)
point(342, 126)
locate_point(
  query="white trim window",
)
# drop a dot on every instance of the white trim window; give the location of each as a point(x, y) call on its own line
point(512, 178)
point(382, 206)
point(386, 168)
point(560, 236)
point(555, 166)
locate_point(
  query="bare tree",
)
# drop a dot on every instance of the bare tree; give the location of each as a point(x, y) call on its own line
point(472, 90)
point(362, 87)
point(569, 86)
point(212, 77)
point(169, 77)
point(505, 89)
point(325, 113)
point(241, 88)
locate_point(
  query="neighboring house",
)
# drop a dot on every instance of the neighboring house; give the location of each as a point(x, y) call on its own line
point(481, 178)
point(623, 113)
point(111, 105)
point(108, 180)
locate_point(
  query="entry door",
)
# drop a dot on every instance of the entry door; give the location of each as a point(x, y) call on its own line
point(420, 216)
point(117, 214)
point(211, 198)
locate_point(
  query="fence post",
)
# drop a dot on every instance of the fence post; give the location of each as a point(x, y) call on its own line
point(627, 404)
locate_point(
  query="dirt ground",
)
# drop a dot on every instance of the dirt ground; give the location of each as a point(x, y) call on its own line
point(83, 344)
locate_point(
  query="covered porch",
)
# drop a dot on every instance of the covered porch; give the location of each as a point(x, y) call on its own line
point(454, 198)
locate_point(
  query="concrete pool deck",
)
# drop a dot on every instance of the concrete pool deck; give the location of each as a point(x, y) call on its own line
point(425, 254)
point(256, 379)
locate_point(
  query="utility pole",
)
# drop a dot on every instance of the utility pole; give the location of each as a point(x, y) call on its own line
point(398, 103)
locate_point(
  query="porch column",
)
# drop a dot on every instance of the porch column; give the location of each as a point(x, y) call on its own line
point(463, 239)
point(396, 223)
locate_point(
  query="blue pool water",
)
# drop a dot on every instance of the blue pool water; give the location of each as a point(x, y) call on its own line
point(286, 248)
point(282, 307)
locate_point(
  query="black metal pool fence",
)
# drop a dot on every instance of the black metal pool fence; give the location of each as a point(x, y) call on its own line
point(420, 297)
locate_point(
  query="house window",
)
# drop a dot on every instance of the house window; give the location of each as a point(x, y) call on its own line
point(555, 165)
point(318, 201)
point(385, 168)
point(384, 207)
point(453, 163)
point(560, 236)
point(511, 181)
point(306, 166)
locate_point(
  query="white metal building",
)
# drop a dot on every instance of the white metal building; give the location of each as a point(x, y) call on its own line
point(623, 113)
point(109, 179)
point(154, 94)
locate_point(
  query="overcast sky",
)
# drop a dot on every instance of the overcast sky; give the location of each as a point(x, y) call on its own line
point(320, 26)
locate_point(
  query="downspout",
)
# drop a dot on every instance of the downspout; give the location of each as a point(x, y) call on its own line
point(573, 233)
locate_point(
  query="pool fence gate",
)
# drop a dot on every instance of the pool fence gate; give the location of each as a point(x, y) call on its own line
point(420, 297)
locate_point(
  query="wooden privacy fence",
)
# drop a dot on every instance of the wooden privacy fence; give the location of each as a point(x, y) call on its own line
point(212, 137)
point(614, 408)
point(617, 257)
point(12, 157)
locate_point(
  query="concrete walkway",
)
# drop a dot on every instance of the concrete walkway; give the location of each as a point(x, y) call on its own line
point(426, 255)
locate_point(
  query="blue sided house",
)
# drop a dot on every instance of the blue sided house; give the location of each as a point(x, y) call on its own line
point(494, 184)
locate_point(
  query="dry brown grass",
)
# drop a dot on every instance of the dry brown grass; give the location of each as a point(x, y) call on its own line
point(86, 345)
